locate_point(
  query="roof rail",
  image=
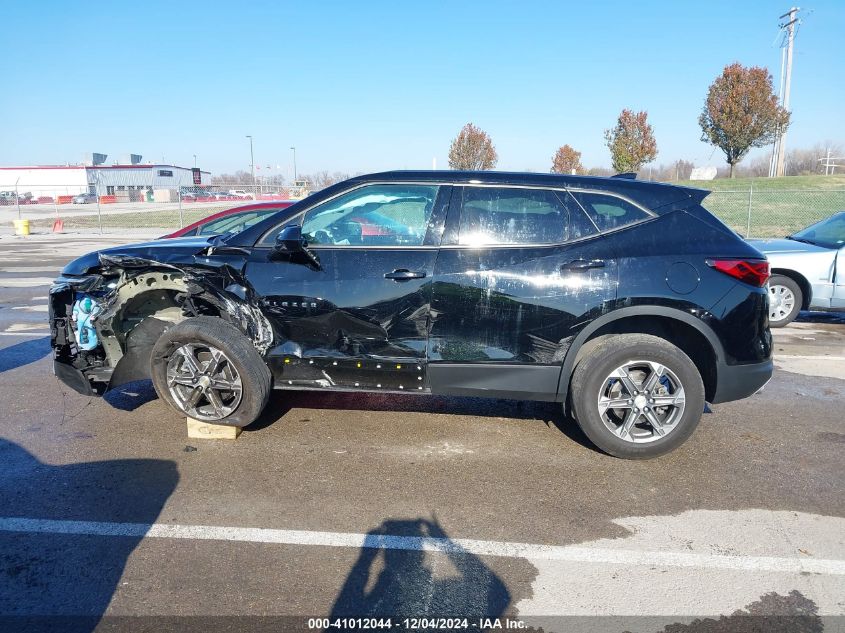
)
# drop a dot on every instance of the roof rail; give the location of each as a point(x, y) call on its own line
point(627, 175)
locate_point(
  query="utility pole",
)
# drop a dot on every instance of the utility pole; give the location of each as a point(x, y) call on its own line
point(829, 163)
point(294, 165)
point(790, 41)
point(251, 159)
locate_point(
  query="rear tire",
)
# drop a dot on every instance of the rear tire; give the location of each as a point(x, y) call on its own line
point(785, 300)
point(637, 396)
point(207, 369)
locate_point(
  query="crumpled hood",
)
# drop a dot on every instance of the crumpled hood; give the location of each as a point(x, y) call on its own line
point(779, 245)
point(163, 251)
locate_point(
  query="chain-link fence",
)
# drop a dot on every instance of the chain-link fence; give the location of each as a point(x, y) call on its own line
point(752, 212)
point(124, 208)
point(762, 212)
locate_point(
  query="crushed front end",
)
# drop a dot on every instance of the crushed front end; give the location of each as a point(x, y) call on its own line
point(74, 304)
point(108, 309)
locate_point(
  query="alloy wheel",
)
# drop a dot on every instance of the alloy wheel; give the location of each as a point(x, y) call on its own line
point(642, 401)
point(203, 382)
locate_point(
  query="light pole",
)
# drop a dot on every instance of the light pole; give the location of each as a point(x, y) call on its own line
point(195, 160)
point(251, 159)
point(294, 164)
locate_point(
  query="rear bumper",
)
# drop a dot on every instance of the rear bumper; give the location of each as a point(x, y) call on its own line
point(740, 381)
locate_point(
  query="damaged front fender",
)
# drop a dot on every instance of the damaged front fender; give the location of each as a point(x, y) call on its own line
point(137, 299)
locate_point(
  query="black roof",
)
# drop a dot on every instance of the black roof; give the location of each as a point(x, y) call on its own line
point(658, 197)
point(652, 195)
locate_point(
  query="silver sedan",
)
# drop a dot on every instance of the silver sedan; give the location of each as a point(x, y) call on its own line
point(808, 270)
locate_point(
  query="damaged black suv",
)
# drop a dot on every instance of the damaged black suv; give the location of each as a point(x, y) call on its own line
point(627, 302)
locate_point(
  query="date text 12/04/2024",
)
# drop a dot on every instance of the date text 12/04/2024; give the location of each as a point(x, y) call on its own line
point(414, 624)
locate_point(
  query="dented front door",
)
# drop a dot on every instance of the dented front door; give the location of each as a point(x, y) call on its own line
point(359, 317)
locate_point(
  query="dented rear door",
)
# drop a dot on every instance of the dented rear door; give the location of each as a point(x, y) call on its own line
point(504, 314)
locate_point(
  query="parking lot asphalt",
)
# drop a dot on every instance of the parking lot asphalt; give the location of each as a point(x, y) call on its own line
point(355, 505)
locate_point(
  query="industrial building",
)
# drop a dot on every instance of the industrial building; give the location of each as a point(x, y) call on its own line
point(127, 180)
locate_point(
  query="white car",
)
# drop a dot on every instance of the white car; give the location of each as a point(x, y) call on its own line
point(241, 193)
point(808, 270)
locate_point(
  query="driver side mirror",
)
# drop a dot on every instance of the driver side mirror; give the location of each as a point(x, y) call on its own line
point(290, 242)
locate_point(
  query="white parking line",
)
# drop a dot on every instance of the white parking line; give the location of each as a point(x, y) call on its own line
point(807, 357)
point(45, 333)
point(34, 308)
point(26, 282)
point(481, 548)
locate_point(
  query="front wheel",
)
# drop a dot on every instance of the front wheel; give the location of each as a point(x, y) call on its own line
point(637, 396)
point(208, 370)
point(785, 299)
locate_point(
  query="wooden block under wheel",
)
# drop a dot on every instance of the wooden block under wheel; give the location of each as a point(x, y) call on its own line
point(203, 430)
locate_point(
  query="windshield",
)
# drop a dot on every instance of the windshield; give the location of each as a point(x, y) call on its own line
point(829, 233)
point(235, 223)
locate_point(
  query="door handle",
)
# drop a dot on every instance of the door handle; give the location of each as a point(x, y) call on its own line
point(403, 274)
point(581, 265)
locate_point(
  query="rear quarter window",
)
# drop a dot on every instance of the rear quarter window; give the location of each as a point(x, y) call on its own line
point(609, 212)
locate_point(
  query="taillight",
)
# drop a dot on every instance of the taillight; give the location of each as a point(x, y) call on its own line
point(751, 271)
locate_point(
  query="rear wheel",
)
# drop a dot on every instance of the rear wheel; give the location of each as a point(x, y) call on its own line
point(208, 370)
point(637, 396)
point(785, 299)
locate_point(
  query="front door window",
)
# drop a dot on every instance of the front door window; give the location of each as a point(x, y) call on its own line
point(376, 215)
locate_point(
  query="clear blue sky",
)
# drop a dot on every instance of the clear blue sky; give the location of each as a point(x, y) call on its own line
point(364, 86)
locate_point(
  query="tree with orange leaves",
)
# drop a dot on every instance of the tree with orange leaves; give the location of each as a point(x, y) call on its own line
point(631, 141)
point(472, 150)
point(567, 160)
point(741, 111)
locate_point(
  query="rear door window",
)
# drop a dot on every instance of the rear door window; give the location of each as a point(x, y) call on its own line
point(609, 212)
point(512, 216)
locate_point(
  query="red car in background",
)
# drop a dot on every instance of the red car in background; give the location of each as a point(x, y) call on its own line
point(231, 220)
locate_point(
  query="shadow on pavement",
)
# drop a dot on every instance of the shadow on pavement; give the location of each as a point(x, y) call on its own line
point(772, 613)
point(821, 317)
point(392, 579)
point(46, 577)
point(24, 353)
point(549, 413)
point(130, 396)
point(281, 402)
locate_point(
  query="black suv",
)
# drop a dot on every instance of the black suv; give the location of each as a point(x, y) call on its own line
point(627, 302)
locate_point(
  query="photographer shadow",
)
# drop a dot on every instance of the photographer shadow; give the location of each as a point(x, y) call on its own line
point(395, 577)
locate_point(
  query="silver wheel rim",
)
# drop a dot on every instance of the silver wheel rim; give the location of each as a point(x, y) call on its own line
point(203, 382)
point(641, 401)
point(781, 302)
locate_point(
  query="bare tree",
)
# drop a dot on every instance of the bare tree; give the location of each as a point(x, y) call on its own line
point(472, 150)
point(322, 179)
point(801, 162)
point(631, 141)
point(741, 112)
point(240, 177)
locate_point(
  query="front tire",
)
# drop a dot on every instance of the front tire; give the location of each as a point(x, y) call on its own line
point(637, 396)
point(785, 300)
point(206, 369)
